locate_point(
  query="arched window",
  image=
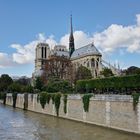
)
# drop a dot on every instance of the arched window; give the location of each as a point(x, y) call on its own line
point(42, 52)
point(88, 64)
point(45, 52)
point(92, 62)
point(97, 64)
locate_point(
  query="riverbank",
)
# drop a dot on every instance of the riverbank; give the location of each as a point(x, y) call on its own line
point(111, 111)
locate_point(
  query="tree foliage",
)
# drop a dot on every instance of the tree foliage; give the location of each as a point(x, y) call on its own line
point(15, 87)
point(57, 66)
point(83, 73)
point(111, 83)
point(132, 70)
point(107, 72)
point(39, 83)
point(5, 81)
point(58, 85)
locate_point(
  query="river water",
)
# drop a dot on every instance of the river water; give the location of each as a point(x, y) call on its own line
point(16, 124)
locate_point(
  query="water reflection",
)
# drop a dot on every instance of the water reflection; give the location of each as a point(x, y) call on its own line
point(16, 124)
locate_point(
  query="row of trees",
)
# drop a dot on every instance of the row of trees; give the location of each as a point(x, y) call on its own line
point(123, 84)
point(8, 85)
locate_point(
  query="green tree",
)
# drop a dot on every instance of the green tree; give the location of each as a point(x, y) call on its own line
point(5, 81)
point(132, 70)
point(39, 83)
point(83, 73)
point(15, 87)
point(107, 72)
point(28, 89)
point(58, 85)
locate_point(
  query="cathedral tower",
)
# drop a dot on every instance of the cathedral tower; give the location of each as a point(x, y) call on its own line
point(42, 54)
point(71, 39)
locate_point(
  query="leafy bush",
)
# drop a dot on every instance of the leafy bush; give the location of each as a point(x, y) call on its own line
point(115, 83)
point(58, 85)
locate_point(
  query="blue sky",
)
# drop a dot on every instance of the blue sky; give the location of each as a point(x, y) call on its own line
point(114, 25)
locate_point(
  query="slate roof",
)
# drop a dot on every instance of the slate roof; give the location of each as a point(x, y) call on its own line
point(62, 53)
point(89, 49)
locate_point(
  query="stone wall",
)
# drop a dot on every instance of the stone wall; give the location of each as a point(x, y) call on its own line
point(114, 111)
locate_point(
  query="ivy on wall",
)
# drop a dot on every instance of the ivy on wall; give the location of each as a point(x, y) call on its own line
point(57, 101)
point(48, 97)
point(52, 97)
point(25, 105)
point(86, 99)
point(38, 98)
point(135, 97)
point(43, 99)
point(3, 97)
point(14, 95)
point(65, 102)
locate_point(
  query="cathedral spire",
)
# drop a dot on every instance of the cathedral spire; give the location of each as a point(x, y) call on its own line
point(71, 29)
point(71, 38)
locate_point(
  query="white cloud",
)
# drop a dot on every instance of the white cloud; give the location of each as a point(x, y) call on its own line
point(111, 39)
point(5, 60)
point(80, 37)
point(26, 53)
point(118, 36)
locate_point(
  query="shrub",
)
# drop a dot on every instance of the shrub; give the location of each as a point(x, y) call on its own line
point(131, 82)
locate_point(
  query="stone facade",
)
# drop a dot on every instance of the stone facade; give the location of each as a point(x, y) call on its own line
point(114, 111)
point(87, 56)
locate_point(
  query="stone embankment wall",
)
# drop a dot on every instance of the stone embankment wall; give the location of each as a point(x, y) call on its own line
point(114, 111)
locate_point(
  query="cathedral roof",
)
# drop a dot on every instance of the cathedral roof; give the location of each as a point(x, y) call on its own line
point(61, 53)
point(89, 49)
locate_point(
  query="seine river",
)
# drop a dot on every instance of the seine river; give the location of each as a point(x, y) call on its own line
point(16, 124)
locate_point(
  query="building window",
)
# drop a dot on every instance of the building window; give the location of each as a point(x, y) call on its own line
point(88, 64)
point(97, 64)
point(42, 51)
point(45, 52)
point(92, 62)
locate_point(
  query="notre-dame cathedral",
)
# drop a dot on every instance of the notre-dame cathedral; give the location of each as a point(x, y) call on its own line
point(87, 56)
